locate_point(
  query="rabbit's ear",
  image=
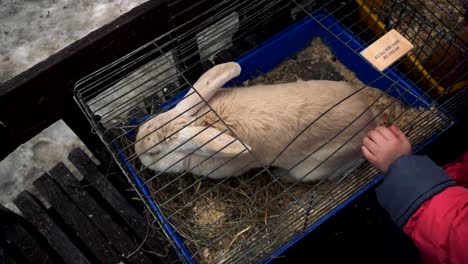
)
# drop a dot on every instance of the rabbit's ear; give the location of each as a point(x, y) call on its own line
point(206, 87)
point(209, 142)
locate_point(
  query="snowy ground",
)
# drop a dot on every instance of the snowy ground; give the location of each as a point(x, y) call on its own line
point(31, 31)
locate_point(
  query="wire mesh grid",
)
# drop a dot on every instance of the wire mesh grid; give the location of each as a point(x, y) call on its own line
point(227, 203)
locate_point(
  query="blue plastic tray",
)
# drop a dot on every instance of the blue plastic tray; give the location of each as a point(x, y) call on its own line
point(346, 47)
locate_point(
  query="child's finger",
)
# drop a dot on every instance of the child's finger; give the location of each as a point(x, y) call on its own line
point(368, 155)
point(370, 145)
point(375, 136)
point(397, 132)
point(386, 133)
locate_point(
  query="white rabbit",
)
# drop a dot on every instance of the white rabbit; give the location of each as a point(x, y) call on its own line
point(264, 119)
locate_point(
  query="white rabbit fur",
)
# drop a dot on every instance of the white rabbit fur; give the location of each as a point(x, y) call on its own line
point(266, 118)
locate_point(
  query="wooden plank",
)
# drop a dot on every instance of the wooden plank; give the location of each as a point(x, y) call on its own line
point(98, 215)
point(39, 218)
point(17, 237)
point(6, 257)
point(73, 216)
point(137, 223)
point(7, 249)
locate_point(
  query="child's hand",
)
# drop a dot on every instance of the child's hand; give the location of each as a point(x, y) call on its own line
point(383, 146)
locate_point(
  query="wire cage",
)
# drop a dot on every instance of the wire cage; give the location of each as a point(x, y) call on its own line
point(228, 203)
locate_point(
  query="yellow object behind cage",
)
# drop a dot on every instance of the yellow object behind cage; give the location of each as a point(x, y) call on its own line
point(411, 61)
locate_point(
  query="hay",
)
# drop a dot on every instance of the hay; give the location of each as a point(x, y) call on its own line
point(214, 217)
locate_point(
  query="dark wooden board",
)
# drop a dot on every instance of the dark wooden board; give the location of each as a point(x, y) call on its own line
point(37, 215)
point(6, 257)
point(136, 222)
point(76, 219)
point(20, 240)
point(98, 215)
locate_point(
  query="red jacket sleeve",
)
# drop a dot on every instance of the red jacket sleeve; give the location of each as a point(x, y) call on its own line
point(426, 202)
point(439, 228)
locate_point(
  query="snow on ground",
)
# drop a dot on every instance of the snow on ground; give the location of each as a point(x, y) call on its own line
point(31, 31)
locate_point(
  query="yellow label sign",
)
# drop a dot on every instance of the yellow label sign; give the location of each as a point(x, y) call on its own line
point(387, 49)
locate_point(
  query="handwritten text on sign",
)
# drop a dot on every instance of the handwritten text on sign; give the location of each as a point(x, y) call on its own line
point(386, 50)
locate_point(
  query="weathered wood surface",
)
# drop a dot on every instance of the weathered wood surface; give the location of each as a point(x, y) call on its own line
point(95, 213)
point(76, 219)
point(37, 215)
point(87, 221)
point(18, 239)
point(6, 257)
point(152, 239)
